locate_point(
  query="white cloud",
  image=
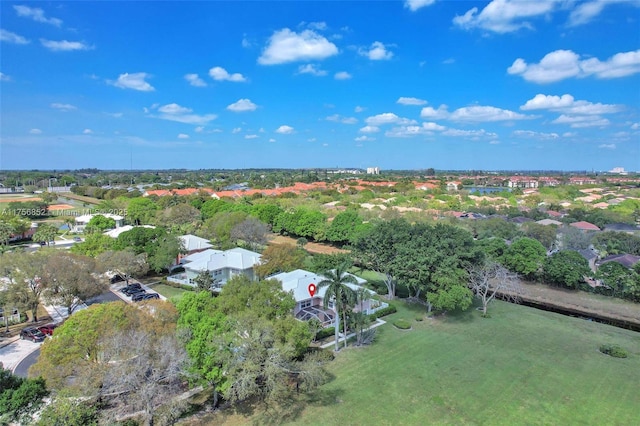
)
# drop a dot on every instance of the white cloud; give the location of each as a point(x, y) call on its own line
point(566, 103)
point(35, 131)
point(245, 42)
point(10, 37)
point(364, 138)
point(585, 12)
point(432, 113)
point(411, 101)
point(485, 113)
point(236, 130)
point(409, 131)
point(635, 126)
point(288, 46)
point(135, 81)
point(64, 45)
point(504, 16)
point(285, 130)
point(36, 14)
point(377, 52)
point(470, 134)
point(607, 146)
point(183, 136)
point(340, 119)
point(175, 112)
point(388, 118)
point(242, 105)
point(220, 74)
point(63, 107)
point(342, 75)
point(195, 80)
point(250, 136)
point(369, 129)
point(311, 69)
point(199, 129)
point(114, 114)
point(87, 131)
point(580, 121)
point(359, 108)
point(272, 140)
point(414, 5)
point(4, 77)
point(529, 134)
point(562, 64)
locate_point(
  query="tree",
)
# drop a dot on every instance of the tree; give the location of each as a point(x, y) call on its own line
point(212, 207)
point(141, 211)
point(99, 224)
point(24, 271)
point(340, 295)
point(19, 397)
point(45, 233)
point(343, 226)
point(181, 217)
point(324, 262)
point(490, 278)
point(217, 229)
point(613, 242)
point(546, 234)
point(164, 252)
point(6, 231)
point(376, 249)
point(64, 411)
point(94, 245)
point(525, 256)
point(493, 248)
point(252, 232)
point(69, 280)
point(574, 239)
point(566, 268)
point(619, 281)
point(204, 281)
point(125, 262)
point(280, 258)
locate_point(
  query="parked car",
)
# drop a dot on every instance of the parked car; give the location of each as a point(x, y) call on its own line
point(116, 279)
point(143, 295)
point(151, 296)
point(47, 329)
point(77, 239)
point(32, 334)
point(129, 290)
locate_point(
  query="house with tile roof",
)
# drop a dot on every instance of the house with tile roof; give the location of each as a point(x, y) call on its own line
point(307, 306)
point(626, 260)
point(584, 226)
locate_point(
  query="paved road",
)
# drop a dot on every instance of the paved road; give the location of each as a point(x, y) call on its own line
point(23, 367)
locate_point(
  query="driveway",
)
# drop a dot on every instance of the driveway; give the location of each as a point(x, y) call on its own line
point(12, 354)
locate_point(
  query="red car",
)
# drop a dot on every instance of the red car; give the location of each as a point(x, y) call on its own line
point(48, 329)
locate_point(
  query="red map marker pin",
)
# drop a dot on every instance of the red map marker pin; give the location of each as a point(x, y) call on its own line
point(312, 289)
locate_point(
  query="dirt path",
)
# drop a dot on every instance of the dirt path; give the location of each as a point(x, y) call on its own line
point(315, 248)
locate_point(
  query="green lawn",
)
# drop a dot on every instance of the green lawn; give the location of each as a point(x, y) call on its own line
point(521, 366)
point(169, 292)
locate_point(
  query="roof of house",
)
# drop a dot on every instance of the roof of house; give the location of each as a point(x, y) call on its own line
point(87, 217)
point(549, 222)
point(589, 253)
point(585, 226)
point(297, 282)
point(236, 258)
point(621, 227)
point(626, 260)
point(520, 219)
point(199, 256)
point(191, 242)
point(115, 233)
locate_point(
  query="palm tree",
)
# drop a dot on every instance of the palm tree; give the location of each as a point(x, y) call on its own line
point(340, 293)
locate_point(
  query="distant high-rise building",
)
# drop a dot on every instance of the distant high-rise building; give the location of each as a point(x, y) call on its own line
point(373, 170)
point(618, 170)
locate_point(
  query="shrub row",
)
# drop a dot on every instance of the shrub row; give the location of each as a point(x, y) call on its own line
point(391, 309)
point(325, 332)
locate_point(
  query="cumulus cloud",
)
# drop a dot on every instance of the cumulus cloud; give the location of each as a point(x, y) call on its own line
point(272, 140)
point(580, 121)
point(180, 114)
point(35, 131)
point(64, 45)
point(135, 81)
point(36, 14)
point(411, 101)
point(342, 75)
point(250, 136)
point(529, 134)
point(285, 130)
point(63, 107)
point(377, 52)
point(585, 12)
point(87, 131)
point(635, 126)
point(414, 5)
point(242, 105)
point(183, 136)
point(369, 129)
point(311, 69)
point(410, 131)
point(486, 113)
point(470, 134)
point(607, 146)
point(10, 37)
point(566, 103)
point(504, 16)
point(434, 114)
point(195, 80)
point(364, 138)
point(220, 74)
point(359, 108)
point(388, 118)
point(288, 46)
point(562, 64)
point(340, 119)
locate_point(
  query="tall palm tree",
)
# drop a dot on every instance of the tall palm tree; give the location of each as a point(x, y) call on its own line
point(340, 293)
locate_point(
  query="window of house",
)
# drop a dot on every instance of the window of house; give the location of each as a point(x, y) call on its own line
point(305, 304)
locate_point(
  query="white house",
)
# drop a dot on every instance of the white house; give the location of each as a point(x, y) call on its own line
point(115, 233)
point(81, 221)
point(307, 307)
point(222, 265)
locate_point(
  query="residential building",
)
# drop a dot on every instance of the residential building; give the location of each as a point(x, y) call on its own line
point(584, 226)
point(373, 170)
point(307, 306)
point(115, 233)
point(522, 182)
point(81, 221)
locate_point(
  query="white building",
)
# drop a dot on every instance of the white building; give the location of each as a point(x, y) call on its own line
point(81, 221)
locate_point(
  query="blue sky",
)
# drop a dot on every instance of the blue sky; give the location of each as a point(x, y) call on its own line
point(505, 84)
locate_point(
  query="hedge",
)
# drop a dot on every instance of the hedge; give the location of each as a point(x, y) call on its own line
point(391, 309)
point(325, 332)
point(613, 350)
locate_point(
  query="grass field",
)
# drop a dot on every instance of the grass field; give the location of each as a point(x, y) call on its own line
point(521, 366)
point(169, 292)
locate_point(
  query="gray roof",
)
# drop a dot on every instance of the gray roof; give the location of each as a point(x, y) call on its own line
point(237, 258)
point(191, 242)
point(297, 282)
point(626, 260)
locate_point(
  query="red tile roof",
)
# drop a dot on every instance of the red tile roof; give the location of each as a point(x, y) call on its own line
point(585, 226)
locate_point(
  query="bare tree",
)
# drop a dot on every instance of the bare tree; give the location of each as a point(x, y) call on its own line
point(490, 279)
point(23, 272)
point(252, 231)
point(125, 262)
